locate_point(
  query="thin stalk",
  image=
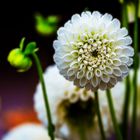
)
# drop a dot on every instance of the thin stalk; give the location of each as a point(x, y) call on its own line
point(113, 116)
point(99, 116)
point(126, 108)
point(82, 132)
point(134, 111)
point(124, 14)
point(40, 73)
point(127, 83)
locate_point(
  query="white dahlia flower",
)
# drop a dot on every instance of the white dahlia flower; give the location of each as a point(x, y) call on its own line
point(71, 106)
point(27, 131)
point(93, 50)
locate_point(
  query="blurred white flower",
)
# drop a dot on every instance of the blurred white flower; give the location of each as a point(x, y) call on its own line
point(71, 105)
point(93, 50)
point(27, 131)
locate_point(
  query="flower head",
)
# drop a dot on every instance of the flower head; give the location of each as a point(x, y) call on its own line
point(93, 50)
point(46, 26)
point(71, 105)
point(19, 58)
point(27, 131)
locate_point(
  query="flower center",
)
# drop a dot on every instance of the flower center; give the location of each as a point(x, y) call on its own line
point(95, 53)
point(80, 111)
point(94, 50)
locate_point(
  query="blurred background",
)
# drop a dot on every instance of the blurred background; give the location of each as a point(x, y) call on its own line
point(17, 21)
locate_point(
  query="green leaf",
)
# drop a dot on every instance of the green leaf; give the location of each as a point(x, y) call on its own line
point(53, 19)
point(30, 48)
point(21, 44)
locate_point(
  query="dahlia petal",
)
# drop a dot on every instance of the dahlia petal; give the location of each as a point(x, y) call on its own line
point(72, 78)
point(98, 72)
point(130, 62)
point(80, 74)
point(102, 67)
point(118, 50)
point(123, 32)
point(114, 25)
point(86, 14)
point(96, 15)
point(56, 44)
point(124, 68)
point(124, 59)
point(106, 18)
point(105, 78)
point(75, 18)
point(64, 72)
point(116, 62)
point(83, 82)
point(109, 62)
point(109, 85)
point(117, 72)
point(67, 58)
point(73, 97)
point(74, 53)
point(74, 65)
point(103, 86)
point(89, 75)
point(68, 24)
point(85, 96)
point(61, 30)
point(113, 80)
point(64, 65)
point(70, 72)
point(88, 87)
point(108, 70)
point(129, 51)
point(94, 81)
point(125, 41)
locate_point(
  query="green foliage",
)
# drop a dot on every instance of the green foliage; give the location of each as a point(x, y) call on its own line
point(131, 11)
point(46, 26)
point(30, 48)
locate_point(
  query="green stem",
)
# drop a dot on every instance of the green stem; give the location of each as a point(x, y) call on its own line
point(124, 14)
point(82, 131)
point(114, 120)
point(40, 73)
point(134, 112)
point(99, 116)
point(126, 108)
point(127, 84)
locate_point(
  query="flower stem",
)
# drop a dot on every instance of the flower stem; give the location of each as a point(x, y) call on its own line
point(124, 14)
point(136, 58)
point(82, 131)
point(40, 73)
point(114, 120)
point(99, 116)
point(127, 84)
point(126, 108)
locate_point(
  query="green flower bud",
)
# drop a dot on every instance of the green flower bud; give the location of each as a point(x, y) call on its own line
point(19, 57)
point(53, 20)
point(46, 26)
point(19, 60)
